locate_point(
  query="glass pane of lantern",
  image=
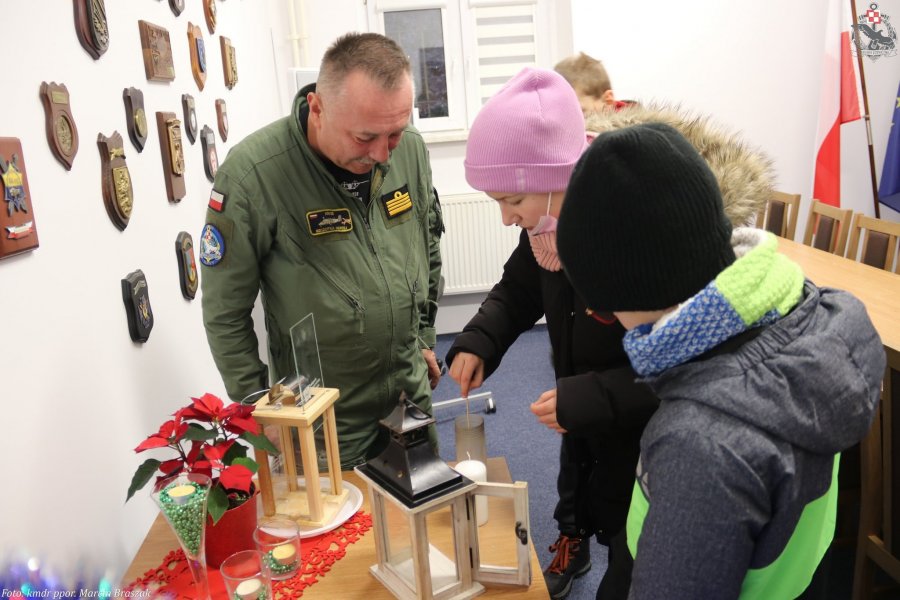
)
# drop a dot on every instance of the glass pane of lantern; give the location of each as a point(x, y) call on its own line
point(442, 550)
point(398, 542)
point(502, 541)
point(306, 358)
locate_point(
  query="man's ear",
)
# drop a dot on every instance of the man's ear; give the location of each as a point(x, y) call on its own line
point(608, 98)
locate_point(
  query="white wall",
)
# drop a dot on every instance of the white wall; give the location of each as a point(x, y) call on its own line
point(753, 66)
point(78, 395)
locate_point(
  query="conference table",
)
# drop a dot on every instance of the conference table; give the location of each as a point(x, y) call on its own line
point(350, 577)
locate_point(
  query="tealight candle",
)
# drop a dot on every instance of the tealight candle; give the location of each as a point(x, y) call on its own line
point(249, 589)
point(476, 471)
point(180, 494)
point(284, 554)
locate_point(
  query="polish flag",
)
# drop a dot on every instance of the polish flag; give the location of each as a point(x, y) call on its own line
point(839, 102)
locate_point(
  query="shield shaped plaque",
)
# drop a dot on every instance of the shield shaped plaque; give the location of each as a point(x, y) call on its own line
point(135, 117)
point(118, 193)
point(188, 276)
point(62, 135)
point(190, 117)
point(172, 153)
point(136, 297)
point(92, 27)
point(198, 54)
point(222, 118)
point(210, 157)
point(177, 6)
point(209, 11)
point(18, 233)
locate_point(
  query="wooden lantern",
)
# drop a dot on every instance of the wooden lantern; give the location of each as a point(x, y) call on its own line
point(307, 504)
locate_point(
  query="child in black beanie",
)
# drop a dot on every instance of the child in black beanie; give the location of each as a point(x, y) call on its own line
point(763, 377)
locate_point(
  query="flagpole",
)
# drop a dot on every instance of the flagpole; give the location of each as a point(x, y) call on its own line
point(865, 98)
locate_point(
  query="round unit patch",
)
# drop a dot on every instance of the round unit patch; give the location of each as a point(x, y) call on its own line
point(212, 246)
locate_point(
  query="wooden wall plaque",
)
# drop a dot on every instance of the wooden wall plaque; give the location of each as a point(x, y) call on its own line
point(229, 62)
point(209, 11)
point(177, 6)
point(157, 49)
point(62, 135)
point(198, 54)
point(187, 267)
point(18, 232)
point(222, 118)
point(135, 117)
point(92, 27)
point(190, 117)
point(136, 296)
point(118, 193)
point(172, 153)
point(210, 157)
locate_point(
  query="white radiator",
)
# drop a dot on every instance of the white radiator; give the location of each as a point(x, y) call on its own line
point(475, 245)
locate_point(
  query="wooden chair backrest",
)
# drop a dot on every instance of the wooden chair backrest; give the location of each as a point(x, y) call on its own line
point(879, 242)
point(827, 227)
point(780, 215)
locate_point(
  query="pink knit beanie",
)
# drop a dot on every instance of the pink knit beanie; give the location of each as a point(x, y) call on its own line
point(527, 137)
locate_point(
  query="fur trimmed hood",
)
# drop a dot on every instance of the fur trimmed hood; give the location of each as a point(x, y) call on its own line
point(745, 174)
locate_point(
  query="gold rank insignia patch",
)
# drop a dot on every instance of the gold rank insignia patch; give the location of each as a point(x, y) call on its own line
point(397, 202)
point(329, 220)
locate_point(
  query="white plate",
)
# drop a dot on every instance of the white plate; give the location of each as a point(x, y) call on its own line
point(354, 501)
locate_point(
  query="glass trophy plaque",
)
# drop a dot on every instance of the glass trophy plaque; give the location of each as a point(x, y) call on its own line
point(306, 358)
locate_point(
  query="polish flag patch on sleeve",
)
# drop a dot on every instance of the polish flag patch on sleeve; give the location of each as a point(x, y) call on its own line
point(217, 201)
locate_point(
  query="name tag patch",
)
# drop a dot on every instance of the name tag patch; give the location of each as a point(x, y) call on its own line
point(397, 202)
point(332, 220)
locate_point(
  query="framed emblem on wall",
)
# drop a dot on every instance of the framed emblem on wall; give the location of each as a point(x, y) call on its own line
point(198, 54)
point(210, 157)
point(209, 11)
point(92, 27)
point(229, 62)
point(172, 152)
point(62, 135)
point(136, 297)
point(135, 117)
point(222, 118)
point(188, 276)
point(18, 232)
point(157, 51)
point(190, 117)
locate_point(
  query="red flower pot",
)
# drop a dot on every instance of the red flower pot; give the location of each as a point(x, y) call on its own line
point(233, 532)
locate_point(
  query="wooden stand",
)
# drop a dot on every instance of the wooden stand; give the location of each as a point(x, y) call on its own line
point(310, 507)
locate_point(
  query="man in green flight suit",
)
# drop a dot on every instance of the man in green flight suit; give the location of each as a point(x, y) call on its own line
point(331, 211)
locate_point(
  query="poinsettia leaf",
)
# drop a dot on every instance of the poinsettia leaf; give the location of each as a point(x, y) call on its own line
point(236, 477)
point(239, 425)
point(170, 467)
point(234, 452)
point(198, 432)
point(189, 412)
point(142, 476)
point(260, 442)
point(154, 441)
point(247, 462)
point(216, 503)
point(208, 404)
point(202, 467)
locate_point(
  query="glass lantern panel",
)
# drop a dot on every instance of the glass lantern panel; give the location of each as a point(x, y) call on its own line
point(306, 358)
point(502, 544)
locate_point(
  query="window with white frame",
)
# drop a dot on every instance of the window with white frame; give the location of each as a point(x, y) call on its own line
point(461, 51)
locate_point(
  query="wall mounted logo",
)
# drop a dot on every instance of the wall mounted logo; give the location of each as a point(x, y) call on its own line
point(873, 34)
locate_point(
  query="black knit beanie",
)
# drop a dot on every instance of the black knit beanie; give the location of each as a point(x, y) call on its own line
point(642, 226)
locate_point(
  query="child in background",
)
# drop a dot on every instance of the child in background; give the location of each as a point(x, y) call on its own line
point(589, 79)
point(763, 378)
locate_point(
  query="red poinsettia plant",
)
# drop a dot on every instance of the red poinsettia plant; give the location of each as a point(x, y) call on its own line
point(212, 430)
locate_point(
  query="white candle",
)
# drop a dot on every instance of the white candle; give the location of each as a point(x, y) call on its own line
point(476, 471)
point(284, 554)
point(181, 494)
point(249, 588)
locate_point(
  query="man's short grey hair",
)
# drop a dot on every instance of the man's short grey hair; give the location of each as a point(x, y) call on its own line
point(377, 56)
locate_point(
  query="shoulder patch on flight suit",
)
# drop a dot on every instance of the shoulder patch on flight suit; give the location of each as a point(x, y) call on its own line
point(329, 220)
point(214, 241)
point(217, 201)
point(397, 202)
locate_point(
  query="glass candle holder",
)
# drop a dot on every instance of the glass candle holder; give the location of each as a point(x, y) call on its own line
point(470, 440)
point(247, 576)
point(182, 501)
point(278, 539)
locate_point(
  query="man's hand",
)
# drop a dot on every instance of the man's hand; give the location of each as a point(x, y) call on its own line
point(468, 371)
point(434, 370)
point(544, 408)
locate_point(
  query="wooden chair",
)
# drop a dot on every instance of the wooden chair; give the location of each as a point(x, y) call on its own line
point(780, 215)
point(879, 242)
point(878, 541)
point(827, 228)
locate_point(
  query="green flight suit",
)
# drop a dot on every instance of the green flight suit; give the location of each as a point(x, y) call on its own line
point(280, 224)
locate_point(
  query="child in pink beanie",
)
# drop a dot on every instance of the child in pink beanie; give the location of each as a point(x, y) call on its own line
point(521, 151)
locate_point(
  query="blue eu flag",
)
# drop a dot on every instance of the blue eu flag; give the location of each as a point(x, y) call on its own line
point(889, 188)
